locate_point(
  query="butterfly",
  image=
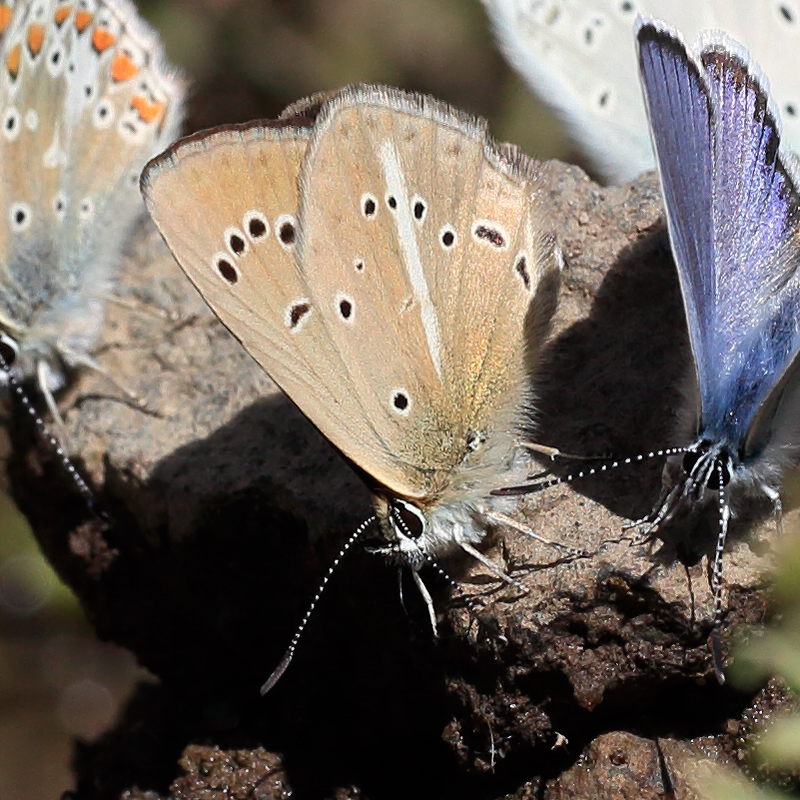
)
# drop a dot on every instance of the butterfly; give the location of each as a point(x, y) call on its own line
point(733, 215)
point(579, 57)
point(86, 99)
point(389, 266)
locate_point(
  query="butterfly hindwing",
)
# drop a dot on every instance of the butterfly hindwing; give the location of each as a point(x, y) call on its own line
point(757, 217)
point(411, 217)
point(86, 97)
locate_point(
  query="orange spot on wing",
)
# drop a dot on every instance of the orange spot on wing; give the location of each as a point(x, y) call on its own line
point(5, 17)
point(82, 19)
point(12, 62)
point(102, 39)
point(123, 68)
point(148, 112)
point(62, 12)
point(35, 38)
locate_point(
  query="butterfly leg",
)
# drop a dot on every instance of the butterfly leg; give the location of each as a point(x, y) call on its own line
point(44, 378)
point(502, 519)
point(777, 505)
point(400, 588)
point(83, 360)
point(138, 307)
point(426, 596)
point(553, 452)
point(666, 505)
point(478, 556)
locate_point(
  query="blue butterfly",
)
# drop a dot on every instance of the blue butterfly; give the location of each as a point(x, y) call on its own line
point(733, 212)
point(733, 216)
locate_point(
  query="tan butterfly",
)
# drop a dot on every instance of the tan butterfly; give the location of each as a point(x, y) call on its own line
point(386, 263)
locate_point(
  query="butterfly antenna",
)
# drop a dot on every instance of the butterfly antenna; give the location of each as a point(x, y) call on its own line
point(541, 485)
point(716, 578)
point(52, 441)
point(289, 654)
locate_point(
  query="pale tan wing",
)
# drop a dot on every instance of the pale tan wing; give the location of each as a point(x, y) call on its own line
point(124, 108)
point(423, 245)
point(31, 108)
point(226, 201)
point(86, 98)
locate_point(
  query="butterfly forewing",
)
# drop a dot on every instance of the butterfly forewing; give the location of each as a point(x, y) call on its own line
point(732, 216)
point(677, 93)
point(226, 204)
point(401, 255)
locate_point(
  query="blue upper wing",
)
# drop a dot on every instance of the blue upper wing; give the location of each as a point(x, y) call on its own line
point(732, 213)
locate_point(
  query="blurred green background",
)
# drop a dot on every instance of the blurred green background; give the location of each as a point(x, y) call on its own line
point(251, 58)
point(244, 59)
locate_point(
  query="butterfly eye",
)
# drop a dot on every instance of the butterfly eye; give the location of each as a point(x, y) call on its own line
point(409, 519)
point(690, 458)
point(722, 461)
point(9, 349)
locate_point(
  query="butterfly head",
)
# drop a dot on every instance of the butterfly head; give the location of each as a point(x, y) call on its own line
point(708, 465)
point(24, 358)
point(404, 530)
